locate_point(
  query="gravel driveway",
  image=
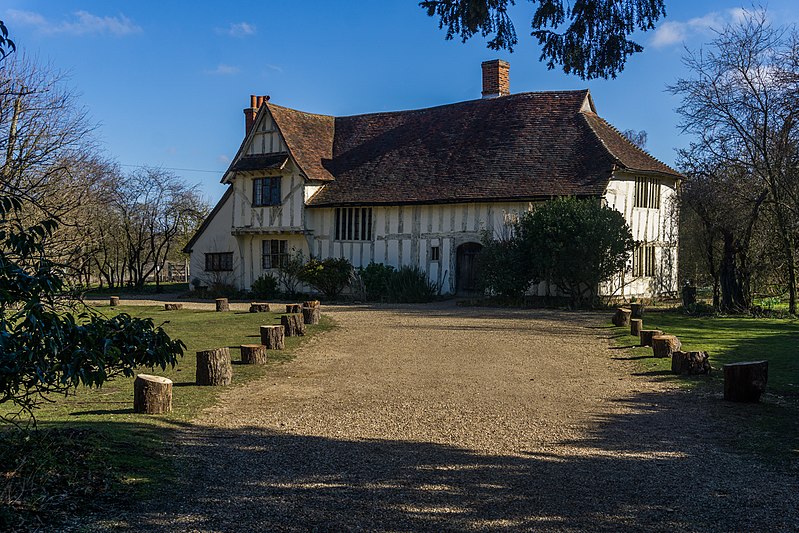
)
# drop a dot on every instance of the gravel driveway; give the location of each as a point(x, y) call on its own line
point(443, 418)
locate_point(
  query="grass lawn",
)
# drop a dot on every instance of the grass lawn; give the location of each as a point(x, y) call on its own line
point(771, 427)
point(132, 446)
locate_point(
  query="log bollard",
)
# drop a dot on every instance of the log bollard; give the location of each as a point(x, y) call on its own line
point(152, 394)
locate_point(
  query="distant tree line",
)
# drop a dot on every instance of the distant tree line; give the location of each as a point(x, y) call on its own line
point(740, 202)
point(118, 228)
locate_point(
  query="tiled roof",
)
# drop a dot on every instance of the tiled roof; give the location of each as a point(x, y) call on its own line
point(522, 146)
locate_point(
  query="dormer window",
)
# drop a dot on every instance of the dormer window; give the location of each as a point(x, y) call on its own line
point(266, 191)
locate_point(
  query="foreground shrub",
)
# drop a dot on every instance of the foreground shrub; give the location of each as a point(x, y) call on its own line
point(328, 276)
point(410, 285)
point(375, 278)
point(502, 268)
point(265, 287)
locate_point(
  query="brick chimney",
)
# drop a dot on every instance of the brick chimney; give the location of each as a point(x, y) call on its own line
point(496, 78)
point(249, 114)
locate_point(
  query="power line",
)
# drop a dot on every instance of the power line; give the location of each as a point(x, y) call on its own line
point(173, 168)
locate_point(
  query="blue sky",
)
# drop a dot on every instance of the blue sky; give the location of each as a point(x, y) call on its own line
point(166, 82)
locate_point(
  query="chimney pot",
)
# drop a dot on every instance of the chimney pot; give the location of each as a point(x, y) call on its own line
point(253, 99)
point(496, 78)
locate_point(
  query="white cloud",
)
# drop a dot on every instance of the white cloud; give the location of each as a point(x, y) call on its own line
point(673, 32)
point(238, 29)
point(223, 70)
point(222, 158)
point(82, 23)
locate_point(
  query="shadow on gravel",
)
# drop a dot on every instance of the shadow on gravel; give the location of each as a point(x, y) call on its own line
point(660, 466)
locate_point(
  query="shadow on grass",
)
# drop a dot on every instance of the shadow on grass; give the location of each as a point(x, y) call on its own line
point(630, 470)
point(103, 412)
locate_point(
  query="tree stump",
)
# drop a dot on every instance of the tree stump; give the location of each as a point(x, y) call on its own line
point(690, 363)
point(293, 308)
point(665, 345)
point(256, 307)
point(745, 382)
point(173, 307)
point(152, 394)
point(636, 325)
point(273, 337)
point(293, 325)
point(214, 367)
point(637, 310)
point(622, 317)
point(311, 315)
point(253, 354)
point(222, 305)
point(114, 301)
point(312, 303)
point(647, 334)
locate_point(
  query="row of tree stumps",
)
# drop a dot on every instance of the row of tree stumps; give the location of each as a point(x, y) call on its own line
point(743, 382)
point(153, 394)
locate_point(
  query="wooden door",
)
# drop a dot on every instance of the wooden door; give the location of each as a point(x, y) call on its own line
point(467, 275)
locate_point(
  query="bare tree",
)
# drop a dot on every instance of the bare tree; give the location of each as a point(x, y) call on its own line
point(741, 105)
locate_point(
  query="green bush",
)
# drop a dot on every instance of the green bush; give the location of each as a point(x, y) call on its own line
point(265, 287)
point(410, 285)
point(502, 268)
point(328, 276)
point(375, 278)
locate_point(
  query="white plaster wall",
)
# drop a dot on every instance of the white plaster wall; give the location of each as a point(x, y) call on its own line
point(653, 226)
point(217, 238)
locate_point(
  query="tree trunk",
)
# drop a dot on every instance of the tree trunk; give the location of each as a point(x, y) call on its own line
point(293, 308)
point(665, 345)
point(253, 354)
point(173, 307)
point(636, 325)
point(222, 305)
point(745, 382)
point(214, 367)
point(312, 303)
point(732, 297)
point(622, 317)
point(114, 301)
point(273, 337)
point(152, 394)
point(256, 307)
point(293, 325)
point(311, 315)
point(637, 310)
point(647, 334)
point(690, 363)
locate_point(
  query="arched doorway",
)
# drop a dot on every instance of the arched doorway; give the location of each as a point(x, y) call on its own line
point(466, 270)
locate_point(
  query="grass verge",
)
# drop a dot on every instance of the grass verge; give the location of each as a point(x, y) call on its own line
point(91, 445)
point(769, 429)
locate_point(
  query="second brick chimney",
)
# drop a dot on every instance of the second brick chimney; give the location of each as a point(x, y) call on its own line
point(496, 78)
point(251, 112)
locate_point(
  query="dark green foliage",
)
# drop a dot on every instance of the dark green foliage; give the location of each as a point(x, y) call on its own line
point(6, 45)
point(593, 44)
point(265, 287)
point(46, 346)
point(502, 267)
point(575, 245)
point(289, 273)
point(328, 276)
point(410, 285)
point(376, 277)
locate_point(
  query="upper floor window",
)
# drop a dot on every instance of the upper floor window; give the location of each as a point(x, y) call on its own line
point(353, 223)
point(647, 193)
point(644, 261)
point(275, 253)
point(266, 191)
point(219, 262)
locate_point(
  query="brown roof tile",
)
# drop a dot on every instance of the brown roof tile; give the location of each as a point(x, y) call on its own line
point(522, 146)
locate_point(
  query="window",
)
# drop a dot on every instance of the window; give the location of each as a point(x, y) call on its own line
point(353, 223)
point(647, 193)
point(435, 253)
point(219, 262)
point(266, 191)
point(275, 253)
point(644, 261)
